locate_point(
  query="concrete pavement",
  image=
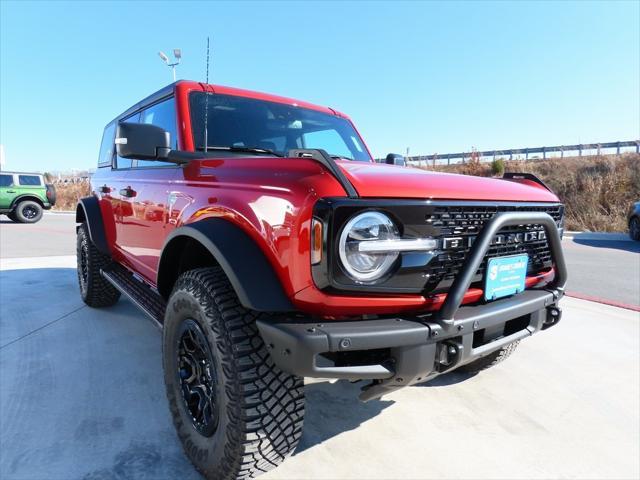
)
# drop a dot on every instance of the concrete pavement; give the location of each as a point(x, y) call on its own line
point(81, 396)
point(53, 235)
point(605, 266)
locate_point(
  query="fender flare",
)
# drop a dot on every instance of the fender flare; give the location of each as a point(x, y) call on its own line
point(88, 210)
point(250, 273)
point(26, 196)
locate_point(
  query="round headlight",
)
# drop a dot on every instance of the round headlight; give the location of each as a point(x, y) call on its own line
point(367, 266)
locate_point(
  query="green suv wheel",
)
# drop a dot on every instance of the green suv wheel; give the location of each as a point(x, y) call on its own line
point(236, 413)
point(27, 211)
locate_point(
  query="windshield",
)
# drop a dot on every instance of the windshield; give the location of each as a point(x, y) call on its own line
point(239, 122)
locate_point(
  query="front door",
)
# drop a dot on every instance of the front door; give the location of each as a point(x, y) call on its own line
point(146, 198)
point(7, 190)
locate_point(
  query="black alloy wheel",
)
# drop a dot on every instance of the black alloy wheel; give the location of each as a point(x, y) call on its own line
point(197, 377)
point(29, 212)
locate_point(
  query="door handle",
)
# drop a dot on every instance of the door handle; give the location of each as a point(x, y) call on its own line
point(11, 191)
point(105, 189)
point(128, 192)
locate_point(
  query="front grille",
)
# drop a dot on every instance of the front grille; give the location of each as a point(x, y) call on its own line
point(465, 222)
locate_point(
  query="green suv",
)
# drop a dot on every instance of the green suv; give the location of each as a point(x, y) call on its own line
point(23, 196)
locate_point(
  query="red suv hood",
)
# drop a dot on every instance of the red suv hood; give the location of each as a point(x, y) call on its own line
point(386, 181)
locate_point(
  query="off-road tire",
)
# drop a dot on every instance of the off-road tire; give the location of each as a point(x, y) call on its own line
point(94, 289)
point(490, 360)
point(634, 228)
point(260, 407)
point(27, 211)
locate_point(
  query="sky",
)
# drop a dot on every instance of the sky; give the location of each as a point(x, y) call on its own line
point(429, 76)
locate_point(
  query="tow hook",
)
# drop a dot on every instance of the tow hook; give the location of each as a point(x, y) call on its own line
point(554, 314)
point(448, 355)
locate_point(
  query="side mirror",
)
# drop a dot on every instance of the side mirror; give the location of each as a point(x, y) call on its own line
point(395, 159)
point(142, 141)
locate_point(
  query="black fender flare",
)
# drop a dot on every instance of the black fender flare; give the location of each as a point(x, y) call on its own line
point(88, 211)
point(250, 273)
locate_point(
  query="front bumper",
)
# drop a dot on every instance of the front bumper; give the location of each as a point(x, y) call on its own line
point(398, 352)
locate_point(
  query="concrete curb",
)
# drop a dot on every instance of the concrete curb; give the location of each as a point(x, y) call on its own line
point(603, 301)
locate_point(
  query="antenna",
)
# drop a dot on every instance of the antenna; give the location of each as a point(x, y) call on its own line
point(206, 103)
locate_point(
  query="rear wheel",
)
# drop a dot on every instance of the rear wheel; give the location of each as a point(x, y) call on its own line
point(634, 228)
point(236, 413)
point(27, 211)
point(94, 289)
point(490, 360)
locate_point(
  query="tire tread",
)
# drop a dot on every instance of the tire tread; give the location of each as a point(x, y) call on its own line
point(265, 405)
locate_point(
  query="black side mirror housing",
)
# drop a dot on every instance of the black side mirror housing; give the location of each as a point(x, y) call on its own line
point(395, 159)
point(142, 141)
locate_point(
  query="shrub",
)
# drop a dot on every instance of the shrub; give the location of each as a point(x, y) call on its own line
point(596, 191)
point(497, 167)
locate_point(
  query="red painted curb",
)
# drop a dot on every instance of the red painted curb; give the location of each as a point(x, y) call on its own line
point(635, 308)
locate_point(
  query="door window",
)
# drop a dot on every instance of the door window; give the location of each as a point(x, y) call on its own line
point(162, 115)
point(122, 163)
point(6, 180)
point(105, 158)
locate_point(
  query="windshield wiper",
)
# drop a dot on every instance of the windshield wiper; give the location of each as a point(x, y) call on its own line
point(257, 150)
point(340, 157)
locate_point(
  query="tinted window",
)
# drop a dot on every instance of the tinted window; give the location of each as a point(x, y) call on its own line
point(29, 180)
point(6, 180)
point(105, 157)
point(249, 122)
point(162, 115)
point(126, 162)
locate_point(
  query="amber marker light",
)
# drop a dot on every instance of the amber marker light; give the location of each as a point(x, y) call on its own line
point(316, 241)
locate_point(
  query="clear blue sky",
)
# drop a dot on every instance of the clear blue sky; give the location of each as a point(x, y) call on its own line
point(435, 77)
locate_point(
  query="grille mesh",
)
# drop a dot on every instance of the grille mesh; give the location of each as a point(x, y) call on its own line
point(466, 222)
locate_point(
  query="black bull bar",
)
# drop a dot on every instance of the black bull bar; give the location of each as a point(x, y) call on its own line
point(424, 346)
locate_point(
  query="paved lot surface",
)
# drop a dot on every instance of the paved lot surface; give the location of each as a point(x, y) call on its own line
point(81, 392)
point(81, 396)
point(53, 235)
point(605, 266)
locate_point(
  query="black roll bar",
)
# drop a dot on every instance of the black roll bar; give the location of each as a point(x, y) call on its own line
point(480, 247)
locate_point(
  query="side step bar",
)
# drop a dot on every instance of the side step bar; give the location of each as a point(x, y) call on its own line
point(141, 294)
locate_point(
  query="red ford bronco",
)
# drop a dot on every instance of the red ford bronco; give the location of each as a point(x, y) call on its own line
point(260, 235)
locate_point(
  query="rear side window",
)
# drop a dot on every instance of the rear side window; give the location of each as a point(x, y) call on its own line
point(6, 180)
point(29, 180)
point(106, 147)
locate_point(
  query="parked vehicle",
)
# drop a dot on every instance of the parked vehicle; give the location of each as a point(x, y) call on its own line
point(24, 196)
point(259, 234)
point(634, 221)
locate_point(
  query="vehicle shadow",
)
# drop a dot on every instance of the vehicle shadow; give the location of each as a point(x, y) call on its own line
point(334, 408)
point(447, 379)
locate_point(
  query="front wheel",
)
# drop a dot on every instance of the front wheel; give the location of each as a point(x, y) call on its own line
point(634, 228)
point(236, 413)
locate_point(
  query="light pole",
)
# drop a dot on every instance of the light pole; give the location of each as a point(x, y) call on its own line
point(176, 53)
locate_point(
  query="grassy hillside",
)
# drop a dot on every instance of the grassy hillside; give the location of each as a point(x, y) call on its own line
point(596, 190)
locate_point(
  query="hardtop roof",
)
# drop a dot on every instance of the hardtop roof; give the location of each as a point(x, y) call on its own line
point(169, 90)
